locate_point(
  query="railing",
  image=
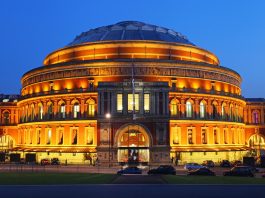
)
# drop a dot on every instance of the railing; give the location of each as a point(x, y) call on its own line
point(56, 92)
point(204, 91)
point(68, 117)
point(208, 118)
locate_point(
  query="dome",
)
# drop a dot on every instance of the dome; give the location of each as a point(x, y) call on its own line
point(130, 30)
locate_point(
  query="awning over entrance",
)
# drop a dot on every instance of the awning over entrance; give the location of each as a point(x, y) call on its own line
point(56, 149)
point(209, 149)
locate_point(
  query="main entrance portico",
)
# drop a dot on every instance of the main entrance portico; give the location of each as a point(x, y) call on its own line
point(133, 142)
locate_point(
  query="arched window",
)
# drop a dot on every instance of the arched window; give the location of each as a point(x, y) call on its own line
point(50, 111)
point(6, 116)
point(215, 113)
point(91, 108)
point(62, 110)
point(32, 113)
point(223, 112)
point(231, 114)
point(76, 110)
point(174, 107)
point(255, 117)
point(202, 109)
point(189, 109)
point(40, 112)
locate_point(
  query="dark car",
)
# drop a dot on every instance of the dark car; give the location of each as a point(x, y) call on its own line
point(208, 163)
point(225, 163)
point(237, 163)
point(130, 170)
point(44, 162)
point(163, 169)
point(243, 171)
point(202, 171)
point(55, 161)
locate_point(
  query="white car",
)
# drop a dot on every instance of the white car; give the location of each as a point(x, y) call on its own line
point(192, 166)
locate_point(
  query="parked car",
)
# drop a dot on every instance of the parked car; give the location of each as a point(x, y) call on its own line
point(163, 169)
point(236, 163)
point(225, 163)
point(44, 162)
point(130, 170)
point(208, 163)
point(192, 166)
point(202, 171)
point(55, 161)
point(244, 171)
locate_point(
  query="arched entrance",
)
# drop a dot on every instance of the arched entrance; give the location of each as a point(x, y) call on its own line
point(133, 142)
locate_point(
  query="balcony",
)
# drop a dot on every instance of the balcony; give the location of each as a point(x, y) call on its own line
point(58, 117)
point(208, 117)
point(204, 91)
point(57, 92)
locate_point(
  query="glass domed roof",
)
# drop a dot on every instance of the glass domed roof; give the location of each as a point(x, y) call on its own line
point(130, 30)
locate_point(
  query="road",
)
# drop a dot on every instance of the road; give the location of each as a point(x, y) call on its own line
point(91, 169)
point(134, 191)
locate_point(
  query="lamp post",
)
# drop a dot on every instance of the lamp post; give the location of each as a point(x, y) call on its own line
point(108, 116)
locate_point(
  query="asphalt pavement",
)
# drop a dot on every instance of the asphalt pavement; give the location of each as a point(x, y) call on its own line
point(134, 191)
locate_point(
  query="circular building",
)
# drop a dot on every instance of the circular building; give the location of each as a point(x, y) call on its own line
point(131, 93)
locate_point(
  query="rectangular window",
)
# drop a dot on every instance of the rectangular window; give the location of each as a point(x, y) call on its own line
point(176, 135)
point(204, 136)
point(89, 135)
point(60, 136)
point(119, 103)
point(38, 135)
point(190, 136)
point(49, 136)
point(146, 102)
point(215, 135)
point(132, 102)
point(74, 136)
point(225, 136)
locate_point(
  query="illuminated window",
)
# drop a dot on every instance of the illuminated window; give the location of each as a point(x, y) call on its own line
point(204, 136)
point(32, 113)
point(174, 107)
point(91, 108)
point(146, 102)
point(202, 109)
point(38, 136)
point(40, 112)
point(74, 136)
point(190, 136)
point(119, 102)
point(60, 136)
point(49, 136)
point(62, 110)
point(132, 102)
point(89, 131)
point(223, 111)
point(176, 135)
point(188, 109)
point(76, 110)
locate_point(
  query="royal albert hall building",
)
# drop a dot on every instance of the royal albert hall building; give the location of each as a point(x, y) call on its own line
point(131, 92)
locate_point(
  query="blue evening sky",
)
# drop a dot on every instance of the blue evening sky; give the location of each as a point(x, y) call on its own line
point(232, 29)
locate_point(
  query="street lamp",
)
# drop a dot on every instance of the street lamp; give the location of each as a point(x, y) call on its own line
point(108, 116)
